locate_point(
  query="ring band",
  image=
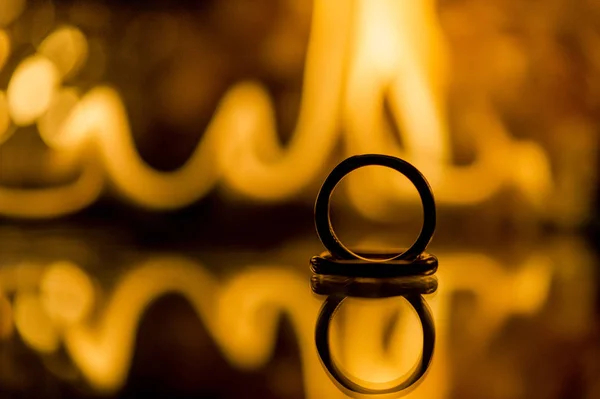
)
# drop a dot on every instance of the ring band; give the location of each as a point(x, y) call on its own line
point(361, 287)
point(373, 287)
point(424, 264)
point(330, 307)
point(323, 220)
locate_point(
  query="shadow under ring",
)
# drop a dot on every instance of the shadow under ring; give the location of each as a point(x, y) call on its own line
point(332, 305)
point(323, 224)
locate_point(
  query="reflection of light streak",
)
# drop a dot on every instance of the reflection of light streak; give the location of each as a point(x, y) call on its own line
point(241, 315)
point(103, 353)
point(500, 293)
point(67, 293)
point(395, 47)
point(243, 324)
point(34, 324)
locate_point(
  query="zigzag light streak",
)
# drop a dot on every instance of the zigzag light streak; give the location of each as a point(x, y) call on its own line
point(357, 52)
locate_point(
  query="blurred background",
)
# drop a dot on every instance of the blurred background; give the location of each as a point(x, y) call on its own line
point(159, 162)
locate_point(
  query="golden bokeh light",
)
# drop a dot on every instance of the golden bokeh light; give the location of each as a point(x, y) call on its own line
point(50, 123)
point(239, 133)
point(33, 323)
point(31, 89)
point(4, 118)
point(380, 52)
point(352, 77)
point(10, 10)
point(4, 47)
point(67, 47)
point(66, 292)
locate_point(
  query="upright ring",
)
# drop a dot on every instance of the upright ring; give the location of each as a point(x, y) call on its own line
point(323, 219)
point(331, 306)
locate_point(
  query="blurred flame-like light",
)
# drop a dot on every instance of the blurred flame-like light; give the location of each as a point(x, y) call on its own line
point(9, 10)
point(378, 50)
point(62, 104)
point(31, 89)
point(67, 48)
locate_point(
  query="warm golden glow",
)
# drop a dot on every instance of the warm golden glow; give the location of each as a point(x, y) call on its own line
point(31, 88)
point(378, 50)
point(363, 56)
point(4, 47)
point(60, 107)
point(370, 360)
point(9, 10)
point(67, 293)
point(415, 86)
point(34, 324)
point(67, 48)
point(49, 202)
point(241, 314)
point(6, 318)
point(24, 276)
point(4, 118)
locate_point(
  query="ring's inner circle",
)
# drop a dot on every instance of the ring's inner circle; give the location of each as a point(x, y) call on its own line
point(375, 191)
point(377, 343)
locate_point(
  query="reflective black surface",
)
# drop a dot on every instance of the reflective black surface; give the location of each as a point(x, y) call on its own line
point(90, 313)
